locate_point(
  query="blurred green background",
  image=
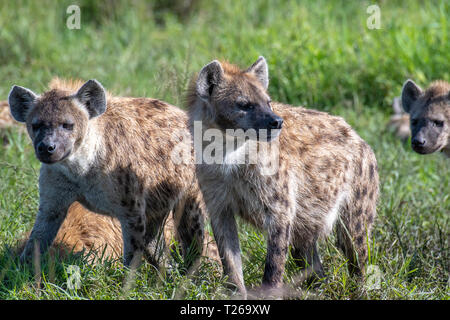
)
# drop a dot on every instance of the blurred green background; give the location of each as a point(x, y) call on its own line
point(321, 54)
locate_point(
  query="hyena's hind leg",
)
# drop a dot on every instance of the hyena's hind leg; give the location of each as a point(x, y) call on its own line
point(307, 258)
point(189, 220)
point(155, 245)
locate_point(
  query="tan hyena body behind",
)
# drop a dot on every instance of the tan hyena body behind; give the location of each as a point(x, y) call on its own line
point(429, 112)
point(112, 155)
point(100, 236)
point(326, 172)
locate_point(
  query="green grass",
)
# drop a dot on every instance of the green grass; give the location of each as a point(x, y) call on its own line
point(320, 54)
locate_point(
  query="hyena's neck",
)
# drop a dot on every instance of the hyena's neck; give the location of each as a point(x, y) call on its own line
point(200, 111)
point(82, 161)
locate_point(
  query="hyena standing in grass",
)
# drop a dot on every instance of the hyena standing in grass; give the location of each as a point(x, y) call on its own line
point(86, 231)
point(429, 112)
point(326, 173)
point(82, 229)
point(111, 154)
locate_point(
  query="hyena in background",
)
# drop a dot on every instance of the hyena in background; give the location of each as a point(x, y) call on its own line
point(399, 121)
point(111, 154)
point(6, 122)
point(326, 173)
point(429, 112)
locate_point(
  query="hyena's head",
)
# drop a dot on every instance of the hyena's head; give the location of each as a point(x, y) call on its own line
point(238, 99)
point(57, 120)
point(429, 115)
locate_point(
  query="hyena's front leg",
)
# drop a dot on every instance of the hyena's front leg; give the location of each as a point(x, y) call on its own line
point(277, 248)
point(155, 244)
point(227, 239)
point(189, 219)
point(307, 257)
point(133, 222)
point(53, 208)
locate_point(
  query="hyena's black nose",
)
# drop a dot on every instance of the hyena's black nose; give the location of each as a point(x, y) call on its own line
point(44, 148)
point(276, 123)
point(418, 142)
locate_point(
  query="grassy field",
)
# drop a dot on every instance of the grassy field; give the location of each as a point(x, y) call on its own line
point(320, 53)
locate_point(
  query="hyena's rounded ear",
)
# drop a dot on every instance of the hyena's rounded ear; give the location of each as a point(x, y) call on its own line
point(410, 93)
point(92, 96)
point(20, 102)
point(209, 77)
point(260, 70)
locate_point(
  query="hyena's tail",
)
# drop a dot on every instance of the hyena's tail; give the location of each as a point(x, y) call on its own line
point(358, 214)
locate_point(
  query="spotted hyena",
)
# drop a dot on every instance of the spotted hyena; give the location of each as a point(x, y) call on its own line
point(326, 173)
point(429, 112)
point(111, 154)
point(84, 231)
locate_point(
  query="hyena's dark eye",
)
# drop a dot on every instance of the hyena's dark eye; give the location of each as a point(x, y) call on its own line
point(438, 123)
point(246, 106)
point(414, 121)
point(68, 126)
